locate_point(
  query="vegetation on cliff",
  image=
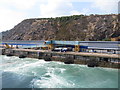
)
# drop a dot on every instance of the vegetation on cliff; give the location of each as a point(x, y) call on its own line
point(76, 27)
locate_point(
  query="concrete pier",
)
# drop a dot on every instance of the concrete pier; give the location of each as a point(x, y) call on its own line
point(90, 59)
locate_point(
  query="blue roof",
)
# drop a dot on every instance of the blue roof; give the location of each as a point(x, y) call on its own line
point(18, 44)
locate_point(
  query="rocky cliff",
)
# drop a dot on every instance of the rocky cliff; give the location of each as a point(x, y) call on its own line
point(77, 27)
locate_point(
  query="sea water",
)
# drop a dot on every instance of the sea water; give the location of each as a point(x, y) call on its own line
point(37, 73)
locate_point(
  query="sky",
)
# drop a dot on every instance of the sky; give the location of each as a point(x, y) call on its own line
point(13, 12)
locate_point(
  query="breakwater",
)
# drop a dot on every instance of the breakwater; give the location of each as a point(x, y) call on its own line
point(90, 59)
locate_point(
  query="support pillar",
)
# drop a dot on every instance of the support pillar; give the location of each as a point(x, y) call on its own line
point(11, 46)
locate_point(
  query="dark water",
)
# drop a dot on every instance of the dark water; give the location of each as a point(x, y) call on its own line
point(34, 73)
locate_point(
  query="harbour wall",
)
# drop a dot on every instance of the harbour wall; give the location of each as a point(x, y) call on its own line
point(91, 60)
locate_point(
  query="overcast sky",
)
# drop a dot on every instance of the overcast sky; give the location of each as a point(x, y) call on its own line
point(13, 12)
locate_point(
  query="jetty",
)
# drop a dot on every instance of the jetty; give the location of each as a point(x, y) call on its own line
point(90, 53)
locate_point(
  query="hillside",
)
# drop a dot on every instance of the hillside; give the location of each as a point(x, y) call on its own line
point(77, 27)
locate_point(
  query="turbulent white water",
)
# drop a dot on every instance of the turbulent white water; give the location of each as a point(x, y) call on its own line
point(35, 73)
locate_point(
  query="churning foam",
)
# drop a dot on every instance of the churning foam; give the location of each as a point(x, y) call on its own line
point(42, 74)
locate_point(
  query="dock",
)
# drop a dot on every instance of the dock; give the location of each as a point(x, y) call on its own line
point(72, 53)
point(90, 53)
point(90, 59)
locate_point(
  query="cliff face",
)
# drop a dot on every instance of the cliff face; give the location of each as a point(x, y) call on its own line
point(78, 27)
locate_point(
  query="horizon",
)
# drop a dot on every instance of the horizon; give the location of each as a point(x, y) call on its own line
point(13, 12)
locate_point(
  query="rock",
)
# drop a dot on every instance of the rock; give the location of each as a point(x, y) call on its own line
point(68, 60)
point(22, 56)
point(92, 64)
point(9, 54)
point(3, 53)
point(40, 58)
point(47, 58)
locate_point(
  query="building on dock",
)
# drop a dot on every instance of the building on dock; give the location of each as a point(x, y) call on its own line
point(77, 46)
point(87, 46)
